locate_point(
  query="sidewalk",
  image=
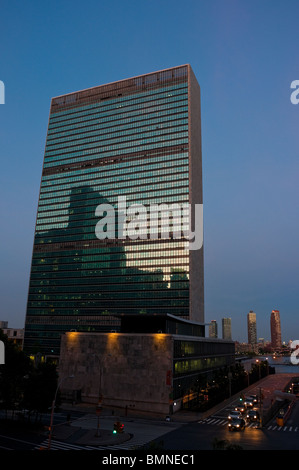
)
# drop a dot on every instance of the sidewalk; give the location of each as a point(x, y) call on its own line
point(268, 386)
point(91, 437)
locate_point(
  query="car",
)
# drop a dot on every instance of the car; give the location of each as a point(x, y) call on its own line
point(254, 398)
point(241, 409)
point(234, 414)
point(248, 403)
point(236, 424)
point(253, 415)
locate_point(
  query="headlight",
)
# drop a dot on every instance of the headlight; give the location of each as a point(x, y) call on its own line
point(238, 425)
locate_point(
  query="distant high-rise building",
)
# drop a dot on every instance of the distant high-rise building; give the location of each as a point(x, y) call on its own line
point(227, 328)
point(251, 327)
point(213, 329)
point(275, 329)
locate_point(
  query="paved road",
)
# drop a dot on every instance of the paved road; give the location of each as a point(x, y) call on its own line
point(196, 436)
point(199, 434)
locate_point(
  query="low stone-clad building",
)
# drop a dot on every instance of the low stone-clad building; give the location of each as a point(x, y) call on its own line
point(149, 366)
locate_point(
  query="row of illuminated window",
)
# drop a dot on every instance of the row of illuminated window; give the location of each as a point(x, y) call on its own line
point(125, 274)
point(54, 234)
point(129, 228)
point(112, 264)
point(97, 289)
point(95, 153)
point(197, 348)
point(144, 176)
point(64, 236)
point(178, 310)
point(146, 294)
point(126, 166)
point(156, 197)
point(192, 365)
point(114, 135)
point(133, 231)
point(134, 247)
point(132, 303)
point(97, 193)
point(104, 105)
point(150, 120)
point(56, 319)
point(122, 179)
point(182, 257)
point(144, 250)
point(147, 221)
point(101, 142)
point(146, 281)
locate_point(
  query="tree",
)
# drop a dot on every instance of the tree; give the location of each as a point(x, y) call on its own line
point(13, 374)
point(40, 388)
point(22, 385)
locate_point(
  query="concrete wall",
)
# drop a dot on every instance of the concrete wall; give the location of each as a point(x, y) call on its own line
point(127, 370)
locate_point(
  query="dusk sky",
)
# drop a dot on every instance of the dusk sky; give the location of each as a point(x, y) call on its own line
point(245, 56)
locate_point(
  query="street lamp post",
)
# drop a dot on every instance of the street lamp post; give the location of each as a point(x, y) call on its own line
point(100, 398)
point(259, 364)
point(53, 408)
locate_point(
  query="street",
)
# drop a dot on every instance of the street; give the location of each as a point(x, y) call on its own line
point(75, 429)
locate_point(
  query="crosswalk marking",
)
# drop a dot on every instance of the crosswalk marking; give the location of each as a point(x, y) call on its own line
point(223, 422)
point(57, 445)
point(133, 443)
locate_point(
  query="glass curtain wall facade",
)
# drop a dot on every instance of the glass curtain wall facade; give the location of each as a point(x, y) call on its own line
point(133, 139)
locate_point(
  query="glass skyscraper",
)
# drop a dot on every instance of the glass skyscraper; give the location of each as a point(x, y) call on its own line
point(251, 328)
point(138, 139)
point(227, 328)
point(275, 329)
